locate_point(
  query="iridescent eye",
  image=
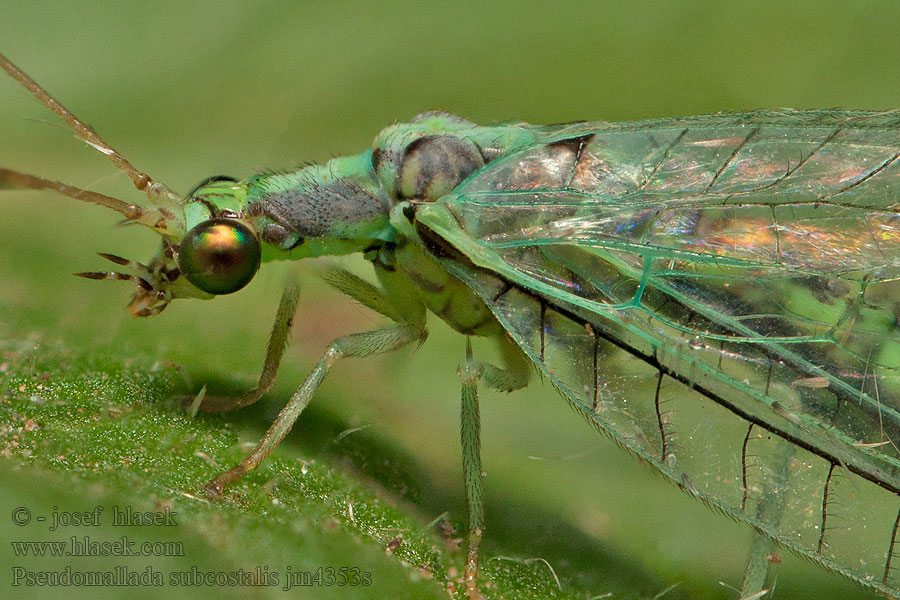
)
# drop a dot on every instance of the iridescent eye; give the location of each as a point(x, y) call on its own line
point(219, 256)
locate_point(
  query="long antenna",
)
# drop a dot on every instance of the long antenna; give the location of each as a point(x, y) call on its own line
point(158, 192)
point(131, 211)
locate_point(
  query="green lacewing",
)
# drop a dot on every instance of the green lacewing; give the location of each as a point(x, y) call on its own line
point(742, 266)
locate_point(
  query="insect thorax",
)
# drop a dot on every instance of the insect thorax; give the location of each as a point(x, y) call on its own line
point(422, 161)
point(344, 206)
point(429, 156)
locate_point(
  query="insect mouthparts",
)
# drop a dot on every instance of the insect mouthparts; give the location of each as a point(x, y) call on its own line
point(149, 298)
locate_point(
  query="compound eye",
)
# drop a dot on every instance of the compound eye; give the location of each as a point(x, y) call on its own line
point(219, 256)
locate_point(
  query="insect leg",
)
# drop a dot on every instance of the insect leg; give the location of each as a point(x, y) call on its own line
point(470, 436)
point(514, 376)
point(769, 509)
point(274, 351)
point(516, 371)
point(756, 572)
point(363, 344)
point(369, 296)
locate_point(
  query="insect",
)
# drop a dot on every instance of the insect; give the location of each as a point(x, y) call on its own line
point(746, 265)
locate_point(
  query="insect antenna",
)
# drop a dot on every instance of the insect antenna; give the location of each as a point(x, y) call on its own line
point(132, 212)
point(156, 191)
point(166, 220)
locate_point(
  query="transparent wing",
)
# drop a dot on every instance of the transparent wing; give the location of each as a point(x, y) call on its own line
point(751, 262)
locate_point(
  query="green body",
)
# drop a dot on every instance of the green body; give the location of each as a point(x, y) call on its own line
point(717, 294)
point(357, 204)
point(750, 261)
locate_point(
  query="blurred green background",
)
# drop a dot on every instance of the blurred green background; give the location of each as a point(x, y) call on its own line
point(187, 90)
